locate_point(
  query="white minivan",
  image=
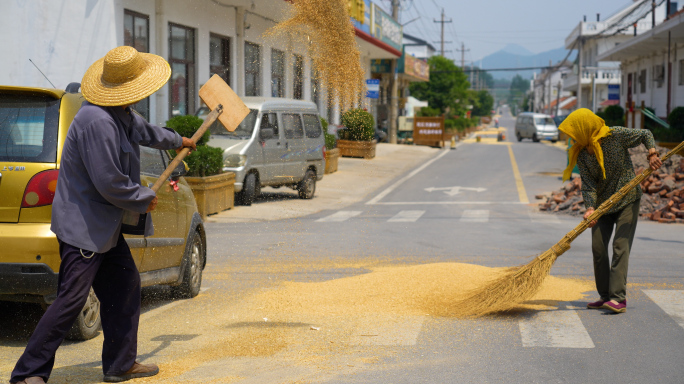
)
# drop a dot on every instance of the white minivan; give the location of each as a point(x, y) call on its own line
point(535, 126)
point(280, 143)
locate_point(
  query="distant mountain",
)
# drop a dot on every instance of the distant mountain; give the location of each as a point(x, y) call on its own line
point(515, 56)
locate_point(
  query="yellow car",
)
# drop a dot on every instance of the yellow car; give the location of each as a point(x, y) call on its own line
point(33, 127)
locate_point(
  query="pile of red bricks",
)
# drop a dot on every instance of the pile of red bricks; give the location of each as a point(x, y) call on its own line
point(664, 193)
point(662, 201)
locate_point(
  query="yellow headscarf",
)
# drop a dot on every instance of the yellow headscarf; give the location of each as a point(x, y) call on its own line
point(586, 129)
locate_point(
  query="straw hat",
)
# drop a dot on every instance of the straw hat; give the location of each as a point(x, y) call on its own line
point(124, 76)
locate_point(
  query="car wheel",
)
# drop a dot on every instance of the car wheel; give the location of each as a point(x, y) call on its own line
point(554, 141)
point(517, 135)
point(535, 138)
point(307, 187)
point(192, 273)
point(87, 324)
point(249, 190)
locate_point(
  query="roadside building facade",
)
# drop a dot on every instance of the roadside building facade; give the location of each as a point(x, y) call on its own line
point(548, 89)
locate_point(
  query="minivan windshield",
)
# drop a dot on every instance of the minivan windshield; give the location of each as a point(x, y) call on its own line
point(28, 128)
point(544, 121)
point(243, 131)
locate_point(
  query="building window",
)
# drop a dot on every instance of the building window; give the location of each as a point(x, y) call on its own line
point(315, 87)
point(277, 73)
point(252, 70)
point(136, 35)
point(659, 75)
point(219, 57)
point(298, 87)
point(642, 81)
point(182, 61)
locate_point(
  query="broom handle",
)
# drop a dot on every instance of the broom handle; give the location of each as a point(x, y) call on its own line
point(564, 244)
point(213, 115)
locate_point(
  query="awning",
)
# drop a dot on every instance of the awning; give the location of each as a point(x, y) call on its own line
point(374, 48)
point(606, 103)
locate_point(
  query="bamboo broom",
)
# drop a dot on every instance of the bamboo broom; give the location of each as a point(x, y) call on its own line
point(518, 284)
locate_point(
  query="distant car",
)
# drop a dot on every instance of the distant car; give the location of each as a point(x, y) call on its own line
point(33, 126)
point(280, 143)
point(535, 126)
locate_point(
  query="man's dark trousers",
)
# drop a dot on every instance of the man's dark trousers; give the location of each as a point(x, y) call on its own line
point(116, 281)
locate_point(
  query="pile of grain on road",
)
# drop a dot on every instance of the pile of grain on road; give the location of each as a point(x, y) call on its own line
point(431, 289)
point(662, 201)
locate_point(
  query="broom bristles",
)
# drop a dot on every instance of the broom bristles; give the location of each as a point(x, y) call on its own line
point(505, 292)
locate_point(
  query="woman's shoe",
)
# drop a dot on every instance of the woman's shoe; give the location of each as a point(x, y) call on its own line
point(620, 307)
point(596, 304)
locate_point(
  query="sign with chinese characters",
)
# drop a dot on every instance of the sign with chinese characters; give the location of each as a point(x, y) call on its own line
point(360, 14)
point(428, 131)
point(385, 29)
point(416, 68)
point(613, 91)
point(381, 66)
point(373, 88)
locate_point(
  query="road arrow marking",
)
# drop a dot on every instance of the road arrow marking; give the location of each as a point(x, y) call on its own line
point(453, 191)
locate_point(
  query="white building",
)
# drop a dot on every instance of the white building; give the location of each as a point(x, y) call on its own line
point(198, 38)
point(592, 39)
point(652, 67)
point(417, 48)
point(548, 89)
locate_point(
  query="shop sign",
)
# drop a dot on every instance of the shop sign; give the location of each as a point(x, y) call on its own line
point(381, 66)
point(415, 67)
point(361, 15)
point(373, 88)
point(428, 131)
point(385, 29)
point(613, 91)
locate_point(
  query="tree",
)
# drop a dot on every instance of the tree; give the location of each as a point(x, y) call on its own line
point(447, 84)
point(482, 103)
point(518, 90)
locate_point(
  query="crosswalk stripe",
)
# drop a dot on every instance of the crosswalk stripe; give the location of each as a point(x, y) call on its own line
point(406, 217)
point(544, 218)
point(388, 331)
point(670, 301)
point(339, 216)
point(555, 329)
point(475, 216)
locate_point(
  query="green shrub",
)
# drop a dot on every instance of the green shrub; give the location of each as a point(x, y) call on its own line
point(187, 125)
point(359, 125)
point(330, 140)
point(614, 116)
point(676, 119)
point(429, 112)
point(649, 123)
point(205, 161)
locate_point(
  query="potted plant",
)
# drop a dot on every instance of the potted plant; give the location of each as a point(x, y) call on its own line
point(332, 153)
point(356, 139)
point(213, 189)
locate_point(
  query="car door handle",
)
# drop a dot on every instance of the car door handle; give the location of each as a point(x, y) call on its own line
point(287, 145)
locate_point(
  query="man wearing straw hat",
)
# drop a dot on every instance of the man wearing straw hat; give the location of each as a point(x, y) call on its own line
point(99, 180)
point(605, 167)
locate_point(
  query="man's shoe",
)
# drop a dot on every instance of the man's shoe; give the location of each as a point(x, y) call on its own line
point(136, 371)
point(596, 304)
point(620, 307)
point(32, 380)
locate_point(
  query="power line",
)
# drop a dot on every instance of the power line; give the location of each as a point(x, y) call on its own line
point(442, 22)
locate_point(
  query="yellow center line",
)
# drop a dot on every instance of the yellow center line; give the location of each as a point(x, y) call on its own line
point(522, 194)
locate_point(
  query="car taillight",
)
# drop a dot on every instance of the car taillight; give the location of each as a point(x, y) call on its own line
point(324, 151)
point(40, 190)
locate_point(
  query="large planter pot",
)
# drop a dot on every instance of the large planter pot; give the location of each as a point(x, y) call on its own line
point(331, 157)
point(213, 194)
point(365, 149)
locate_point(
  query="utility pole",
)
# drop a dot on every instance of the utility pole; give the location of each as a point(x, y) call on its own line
point(579, 68)
point(394, 101)
point(463, 51)
point(441, 22)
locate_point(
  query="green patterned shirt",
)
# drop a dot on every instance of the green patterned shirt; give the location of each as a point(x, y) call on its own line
point(618, 165)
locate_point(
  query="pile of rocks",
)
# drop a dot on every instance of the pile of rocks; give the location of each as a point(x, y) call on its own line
point(662, 201)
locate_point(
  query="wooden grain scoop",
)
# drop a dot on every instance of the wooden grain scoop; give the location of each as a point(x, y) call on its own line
point(226, 106)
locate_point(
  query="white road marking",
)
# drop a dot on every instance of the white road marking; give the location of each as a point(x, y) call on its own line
point(164, 307)
point(475, 216)
point(406, 217)
point(392, 187)
point(561, 328)
point(450, 203)
point(670, 301)
point(453, 191)
point(388, 331)
point(339, 216)
point(544, 218)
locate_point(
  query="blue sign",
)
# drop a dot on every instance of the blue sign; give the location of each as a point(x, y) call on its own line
point(613, 91)
point(373, 88)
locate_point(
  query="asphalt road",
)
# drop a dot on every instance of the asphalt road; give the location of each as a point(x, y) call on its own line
point(472, 205)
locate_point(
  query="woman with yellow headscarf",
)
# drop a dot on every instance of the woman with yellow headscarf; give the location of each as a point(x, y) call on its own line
point(605, 166)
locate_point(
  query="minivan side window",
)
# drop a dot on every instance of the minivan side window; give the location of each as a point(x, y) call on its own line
point(312, 126)
point(270, 120)
point(151, 161)
point(292, 123)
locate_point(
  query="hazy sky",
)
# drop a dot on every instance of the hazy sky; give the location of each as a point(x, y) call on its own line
point(485, 26)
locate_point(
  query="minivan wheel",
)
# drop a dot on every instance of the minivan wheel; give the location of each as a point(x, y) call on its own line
point(249, 190)
point(87, 324)
point(535, 138)
point(307, 187)
point(517, 135)
point(192, 273)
